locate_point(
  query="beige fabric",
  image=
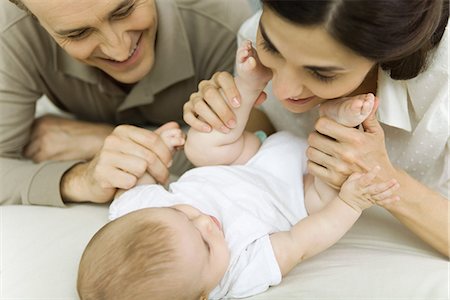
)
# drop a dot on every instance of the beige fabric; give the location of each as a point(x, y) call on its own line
point(195, 39)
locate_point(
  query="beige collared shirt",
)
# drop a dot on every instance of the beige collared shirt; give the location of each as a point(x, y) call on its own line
point(414, 115)
point(195, 39)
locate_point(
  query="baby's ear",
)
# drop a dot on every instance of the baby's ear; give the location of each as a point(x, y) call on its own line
point(203, 297)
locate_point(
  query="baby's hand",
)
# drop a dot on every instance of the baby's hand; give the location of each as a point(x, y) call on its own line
point(249, 68)
point(172, 135)
point(359, 191)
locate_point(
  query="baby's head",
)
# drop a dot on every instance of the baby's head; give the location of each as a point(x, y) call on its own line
point(154, 253)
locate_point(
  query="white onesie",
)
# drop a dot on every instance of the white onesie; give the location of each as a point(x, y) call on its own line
point(251, 201)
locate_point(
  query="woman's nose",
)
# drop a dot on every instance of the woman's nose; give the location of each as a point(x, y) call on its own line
point(286, 84)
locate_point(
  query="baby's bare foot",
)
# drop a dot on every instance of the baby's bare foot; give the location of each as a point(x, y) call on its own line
point(349, 112)
point(173, 138)
point(249, 68)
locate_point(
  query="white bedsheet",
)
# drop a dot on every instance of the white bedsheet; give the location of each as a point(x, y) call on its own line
point(378, 259)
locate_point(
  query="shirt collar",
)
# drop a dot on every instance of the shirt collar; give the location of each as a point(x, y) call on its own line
point(173, 59)
point(393, 107)
point(70, 66)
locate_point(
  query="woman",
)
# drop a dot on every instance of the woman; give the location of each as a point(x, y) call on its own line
point(107, 63)
point(322, 50)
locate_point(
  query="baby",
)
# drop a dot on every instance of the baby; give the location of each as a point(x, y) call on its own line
point(233, 229)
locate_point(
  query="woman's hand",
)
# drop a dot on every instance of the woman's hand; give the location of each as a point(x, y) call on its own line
point(336, 151)
point(57, 138)
point(126, 155)
point(210, 107)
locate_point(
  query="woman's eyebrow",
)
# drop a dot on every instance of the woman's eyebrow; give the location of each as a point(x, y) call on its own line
point(265, 37)
point(64, 32)
point(324, 69)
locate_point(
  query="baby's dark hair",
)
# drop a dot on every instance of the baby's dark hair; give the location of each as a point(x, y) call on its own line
point(131, 258)
point(397, 34)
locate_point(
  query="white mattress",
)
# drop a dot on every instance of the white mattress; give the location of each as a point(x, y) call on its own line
point(378, 259)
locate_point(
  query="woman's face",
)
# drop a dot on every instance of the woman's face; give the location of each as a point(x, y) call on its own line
point(308, 65)
point(116, 36)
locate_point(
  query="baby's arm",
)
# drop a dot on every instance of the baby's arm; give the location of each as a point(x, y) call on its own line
point(237, 146)
point(319, 231)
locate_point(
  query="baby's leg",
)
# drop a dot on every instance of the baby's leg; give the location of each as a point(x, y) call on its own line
point(350, 111)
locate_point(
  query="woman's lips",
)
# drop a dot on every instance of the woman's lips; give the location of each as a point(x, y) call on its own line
point(300, 101)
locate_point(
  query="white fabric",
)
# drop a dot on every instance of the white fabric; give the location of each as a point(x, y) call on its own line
point(377, 259)
point(251, 201)
point(414, 115)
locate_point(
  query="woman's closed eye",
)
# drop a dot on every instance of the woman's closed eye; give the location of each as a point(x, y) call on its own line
point(269, 47)
point(323, 78)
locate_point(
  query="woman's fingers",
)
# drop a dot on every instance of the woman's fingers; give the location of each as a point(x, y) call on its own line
point(226, 82)
point(332, 178)
point(191, 118)
point(211, 106)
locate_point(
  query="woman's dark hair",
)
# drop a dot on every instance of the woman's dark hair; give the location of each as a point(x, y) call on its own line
point(397, 34)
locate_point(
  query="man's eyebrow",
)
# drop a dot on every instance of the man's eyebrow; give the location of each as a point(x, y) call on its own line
point(266, 38)
point(121, 5)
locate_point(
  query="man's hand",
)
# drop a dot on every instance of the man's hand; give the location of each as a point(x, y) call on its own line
point(57, 138)
point(126, 155)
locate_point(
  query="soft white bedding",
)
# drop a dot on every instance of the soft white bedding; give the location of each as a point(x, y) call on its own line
point(378, 259)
